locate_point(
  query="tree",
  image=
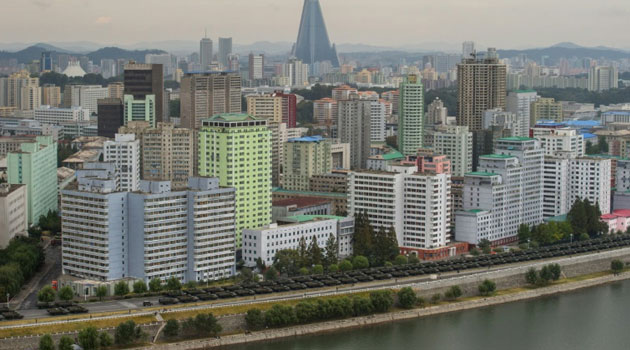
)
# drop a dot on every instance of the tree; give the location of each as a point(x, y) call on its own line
point(360, 262)
point(46, 295)
point(127, 333)
point(401, 260)
point(315, 256)
point(121, 289)
point(139, 287)
point(531, 276)
point(382, 300)
point(384, 248)
point(333, 268)
point(453, 293)
point(100, 292)
point(190, 285)
point(65, 343)
point(363, 234)
point(413, 259)
point(260, 264)
point(255, 320)
point(207, 325)
point(46, 343)
point(171, 328)
point(271, 274)
point(362, 306)
point(545, 276)
point(305, 112)
point(304, 271)
point(435, 298)
point(485, 246)
point(288, 261)
point(155, 285)
point(246, 275)
point(345, 265)
point(318, 270)
point(475, 252)
point(307, 311)
point(173, 284)
point(331, 253)
point(280, 316)
point(524, 234)
point(302, 253)
point(105, 340)
point(556, 271)
point(88, 338)
point(616, 266)
point(66, 293)
point(577, 217)
point(487, 288)
point(407, 298)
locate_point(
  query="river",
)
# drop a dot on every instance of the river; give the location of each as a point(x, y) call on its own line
point(594, 318)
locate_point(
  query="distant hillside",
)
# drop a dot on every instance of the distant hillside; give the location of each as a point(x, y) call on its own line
point(116, 53)
point(562, 50)
point(34, 52)
point(24, 56)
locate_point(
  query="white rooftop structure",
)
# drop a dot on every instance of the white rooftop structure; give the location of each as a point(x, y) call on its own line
point(74, 70)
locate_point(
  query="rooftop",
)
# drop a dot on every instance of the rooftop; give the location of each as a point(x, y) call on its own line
point(310, 193)
point(480, 173)
point(516, 138)
point(475, 211)
point(393, 155)
point(232, 117)
point(306, 218)
point(498, 156)
point(316, 138)
point(300, 202)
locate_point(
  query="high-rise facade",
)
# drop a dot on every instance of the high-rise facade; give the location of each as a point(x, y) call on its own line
point(236, 148)
point(313, 44)
point(354, 119)
point(13, 212)
point(546, 109)
point(481, 86)
point(14, 86)
point(51, 95)
point(468, 48)
point(602, 78)
point(205, 53)
point(143, 109)
point(303, 158)
point(225, 50)
point(111, 116)
point(455, 142)
point(204, 95)
point(277, 107)
point(561, 142)
point(86, 96)
point(411, 116)
point(35, 165)
point(520, 102)
point(436, 113)
point(124, 152)
point(378, 119)
point(144, 80)
point(256, 66)
point(556, 177)
point(31, 98)
point(590, 178)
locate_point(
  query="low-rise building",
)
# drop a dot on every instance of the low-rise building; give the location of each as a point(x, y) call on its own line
point(617, 221)
point(300, 206)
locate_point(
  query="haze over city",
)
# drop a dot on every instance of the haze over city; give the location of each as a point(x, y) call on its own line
point(498, 23)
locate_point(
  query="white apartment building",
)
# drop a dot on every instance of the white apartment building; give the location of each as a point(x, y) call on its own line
point(85, 96)
point(456, 142)
point(416, 205)
point(13, 213)
point(506, 191)
point(266, 241)
point(622, 176)
point(56, 116)
point(124, 151)
point(563, 142)
point(377, 127)
point(590, 178)
point(152, 233)
point(556, 179)
point(519, 102)
point(498, 118)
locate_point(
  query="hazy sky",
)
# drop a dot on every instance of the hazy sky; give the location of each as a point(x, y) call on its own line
point(500, 23)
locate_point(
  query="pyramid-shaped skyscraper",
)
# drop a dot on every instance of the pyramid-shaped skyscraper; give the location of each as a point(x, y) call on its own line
point(313, 44)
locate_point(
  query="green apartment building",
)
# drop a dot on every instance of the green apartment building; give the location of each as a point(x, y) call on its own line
point(304, 157)
point(411, 116)
point(142, 110)
point(236, 148)
point(35, 165)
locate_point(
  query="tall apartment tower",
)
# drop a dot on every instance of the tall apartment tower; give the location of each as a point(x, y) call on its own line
point(225, 50)
point(142, 80)
point(15, 84)
point(13, 213)
point(277, 107)
point(236, 148)
point(436, 113)
point(256, 66)
point(124, 152)
point(354, 124)
point(111, 116)
point(303, 158)
point(35, 165)
point(520, 102)
point(168, 153)
point(455, 142)
point(411, 115)
point(51, 95)
point(204, 95)
point(468, 49)
point(205, 53)
point(603, 78)
point(482, 86)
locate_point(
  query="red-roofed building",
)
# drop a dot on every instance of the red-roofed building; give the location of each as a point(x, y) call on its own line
point(618, 220)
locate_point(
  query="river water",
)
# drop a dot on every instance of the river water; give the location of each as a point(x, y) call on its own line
point(596, 318)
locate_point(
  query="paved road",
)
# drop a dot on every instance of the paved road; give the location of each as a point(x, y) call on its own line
point(53, 259)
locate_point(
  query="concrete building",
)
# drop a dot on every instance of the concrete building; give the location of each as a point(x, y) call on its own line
point(13, 143)
point(280, 134)
point(56, 116)
point(116, 90)
point(277, 107)
point(456, 142)
point(556, 192)
point(35, 165)
point(617, 221)
point(546, 109)
point(225, 50)
point(520, 104)
point(297, 72)
point(124, 152)
point(85, 96)
point(283, 208)
point(51, 95)
point(497, 119)
point(602, 78)
point(303, 158)
point(256, 66)
point(340, 155)
point(622, 176)
point(152, 233)
point(343, 92)
point(337, 181)
point(561, 142)
point(437, 113)
point(325, 112)
point(144, 80)
point(205, 53)
point(590, 179)
point(411, 116)
point(13, 213)
point(31, 98)
point(111, 116)
point(354, 127)
point(481, 86)
point(203, 95)
point(167, 153)
point(236, 148)
point(378, 112)
point(143, 109)
point(264, 242)
point(14, 85)
point(505, 192)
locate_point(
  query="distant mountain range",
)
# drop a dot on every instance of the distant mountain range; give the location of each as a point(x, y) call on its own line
point(34, 52)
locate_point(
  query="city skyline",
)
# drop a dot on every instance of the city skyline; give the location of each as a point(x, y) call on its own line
point(489, 22)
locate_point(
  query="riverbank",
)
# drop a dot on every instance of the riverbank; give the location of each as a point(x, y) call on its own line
point(502, 297)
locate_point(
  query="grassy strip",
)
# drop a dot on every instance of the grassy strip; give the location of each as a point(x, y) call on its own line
point(71, 326)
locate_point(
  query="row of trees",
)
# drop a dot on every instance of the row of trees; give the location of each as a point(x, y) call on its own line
point(202, 325)
point(308, 257)
point(18, 263)
point(546, 275)
point(126, 334)
point(378, 245)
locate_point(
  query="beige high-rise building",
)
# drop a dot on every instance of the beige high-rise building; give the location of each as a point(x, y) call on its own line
point(354, 122)
point(280, 134)
point(482, 86)
point(13, 213)
point(545, 109)
point(206, 94)
point(265, 106)
point(325, 111)
point(167, 153)
point(15, 89)
point(51, 95)
point(303, 158)
point(31, 97)
point(116, 90)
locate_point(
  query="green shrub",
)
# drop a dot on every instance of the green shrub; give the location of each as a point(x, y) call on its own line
point(407, 298)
